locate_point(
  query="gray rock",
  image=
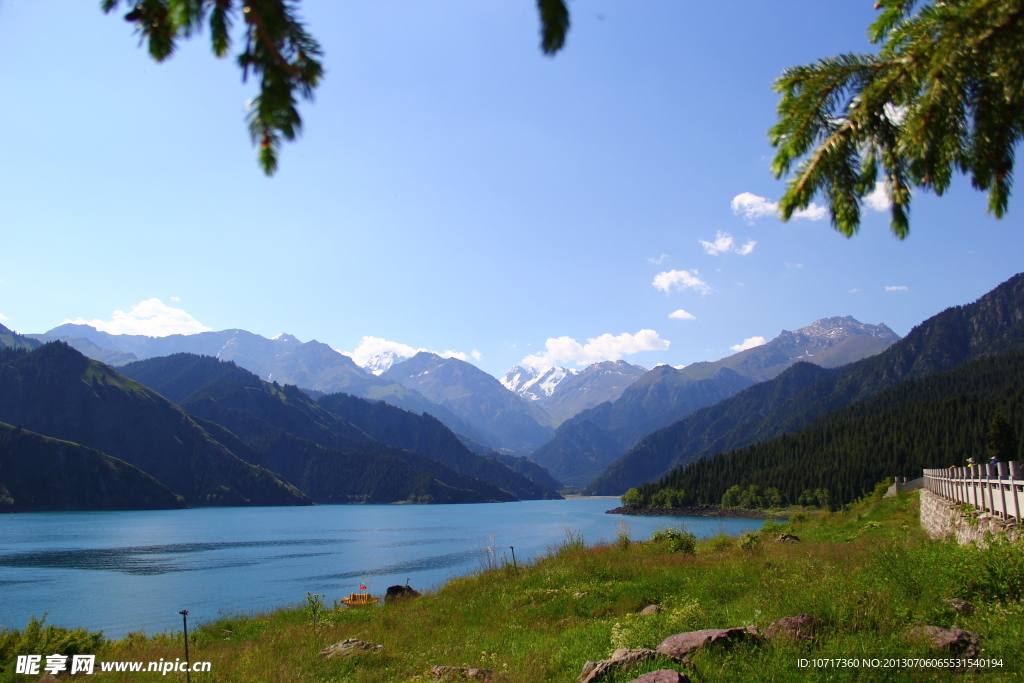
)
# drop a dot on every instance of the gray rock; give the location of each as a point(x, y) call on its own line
point(650, 609)
point(960, 606)
point(683, 644)
point(449, 673)
point(621, 660)
point(787, 538)
point(802, 626)
point(349, 647)
point(662, 676)
point(400, 593)
point(954, 640)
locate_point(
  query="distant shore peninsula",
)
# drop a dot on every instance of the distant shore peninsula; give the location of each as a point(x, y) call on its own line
point(696, 511)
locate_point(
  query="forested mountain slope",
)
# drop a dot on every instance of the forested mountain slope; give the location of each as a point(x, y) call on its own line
point(320, 452)
point(991, 325)
point(57, 392)
point(40, 473)
point(932, 422)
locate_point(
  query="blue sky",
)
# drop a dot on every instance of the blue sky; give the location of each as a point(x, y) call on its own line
point(455, 190)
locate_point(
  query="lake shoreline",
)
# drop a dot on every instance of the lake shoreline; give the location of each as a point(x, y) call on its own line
point(696, 511)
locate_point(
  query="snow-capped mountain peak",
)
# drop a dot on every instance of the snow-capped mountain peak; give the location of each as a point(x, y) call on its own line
point(381, 361)
point(535, 383)
point(840, 327)
point(285, 338)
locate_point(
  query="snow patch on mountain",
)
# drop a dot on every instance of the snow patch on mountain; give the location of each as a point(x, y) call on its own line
point(535, 383)
point(380, 362)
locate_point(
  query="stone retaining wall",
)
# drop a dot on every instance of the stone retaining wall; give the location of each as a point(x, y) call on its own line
point(941, 519)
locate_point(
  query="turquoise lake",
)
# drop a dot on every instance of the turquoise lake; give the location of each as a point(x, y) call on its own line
point(134, 571)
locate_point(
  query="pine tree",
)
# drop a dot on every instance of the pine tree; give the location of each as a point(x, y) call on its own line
point(1002, 443)
point(945, 93)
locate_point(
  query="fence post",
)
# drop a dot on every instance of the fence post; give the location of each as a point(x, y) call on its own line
point(1015, 476)
point(989, 472)
point(1004, 471)
point(973, 473)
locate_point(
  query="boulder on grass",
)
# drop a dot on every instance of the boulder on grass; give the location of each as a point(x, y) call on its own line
point(455, 673)
point(621, 660)
point(801, 627)
point(683, 644)
point(349, 647)
point(954, 640)
point(787, 538)
point(650, 609)
point(400, 593)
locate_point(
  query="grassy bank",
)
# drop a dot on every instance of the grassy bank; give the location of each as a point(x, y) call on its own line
point(869, 573)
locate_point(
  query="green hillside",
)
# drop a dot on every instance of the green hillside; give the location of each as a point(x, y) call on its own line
point(58, 392)
point(323, 454)
point(39, 473)
point(932, 422)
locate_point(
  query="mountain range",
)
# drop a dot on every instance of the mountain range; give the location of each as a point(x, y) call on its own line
point(993, 324)
point(476, 397)
point(563, 392)
point(216, 434)
point(587, 443)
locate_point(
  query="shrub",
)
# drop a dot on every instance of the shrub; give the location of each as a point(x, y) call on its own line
point(749, 541)
point(648, 630)
point(38, 638)
point(675, 540)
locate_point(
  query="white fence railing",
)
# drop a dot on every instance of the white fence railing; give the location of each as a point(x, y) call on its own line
point(998, 489)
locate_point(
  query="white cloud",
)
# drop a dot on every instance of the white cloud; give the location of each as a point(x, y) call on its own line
point(748, 343)
point(563, 350)
point(3, 317)
point(372, 346)
point(658, 261)
point(794, 266)
point(751, 206)
point(896, 288)
point(854, 290)
point(680, 280)
point(174, 298)
point(878, 198)
point(151, 317)
point(682, 315)
point(724, 242)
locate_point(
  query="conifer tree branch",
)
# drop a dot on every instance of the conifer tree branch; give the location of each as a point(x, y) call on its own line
point(945, 94)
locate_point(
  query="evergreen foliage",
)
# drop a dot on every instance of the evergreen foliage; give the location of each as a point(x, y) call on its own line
point(39, 473)
point(1002, 443)
point(928, 423)
point(10, 339)
point(943, 95)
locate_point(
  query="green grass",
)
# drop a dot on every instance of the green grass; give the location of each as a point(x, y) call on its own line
point(869, 573)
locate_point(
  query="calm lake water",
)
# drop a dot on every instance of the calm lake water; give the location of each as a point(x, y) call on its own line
point(133, 571)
